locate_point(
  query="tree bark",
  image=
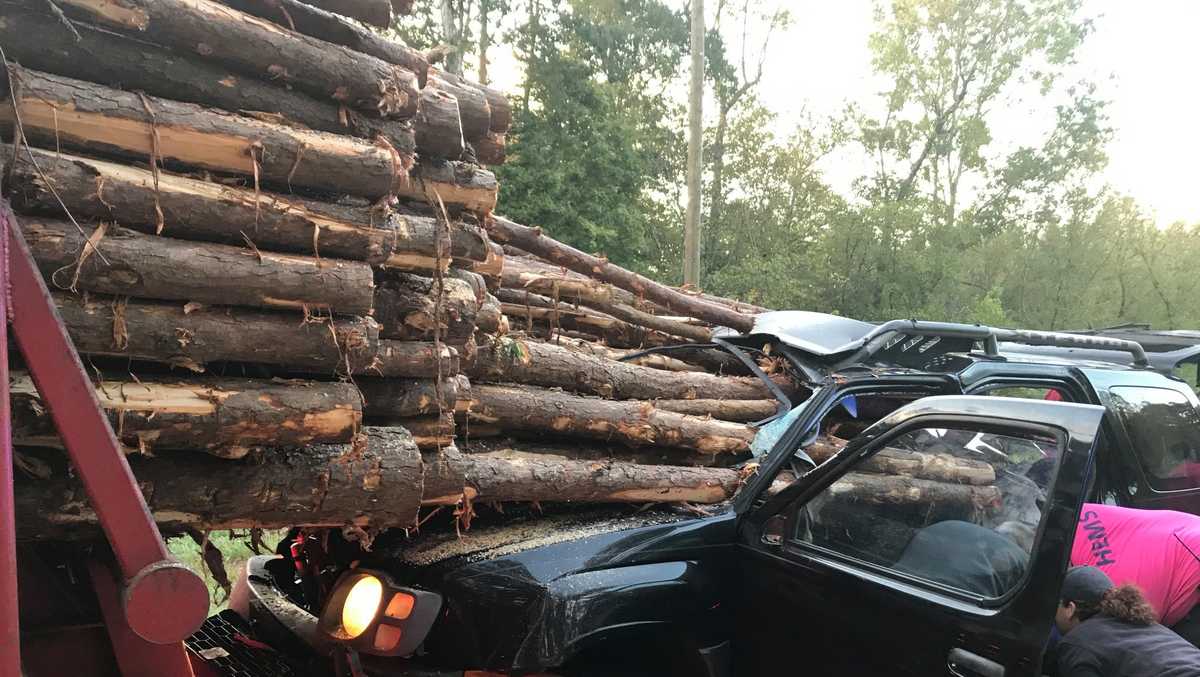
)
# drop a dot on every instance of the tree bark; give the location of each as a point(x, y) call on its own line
point(491, 318)
point(40, 41)
point(180, 336)
point(551, 366)
point(321, 22)
point(56, 110)
point(469, 244)
point(438, 125)
point(406, 307)
point(202, 210)
point(153, 267)
point(654, 361)
point(262, 49)
point(492, 267)
point(491, 149)
point(431, 433)
point(445, 474)
point(499, 107)
point(635, 423)
point(377, 13)
point(695, 160)
point(553, 480)
point(473, 105)
point(223, 417)
point(542, 316)
point(412, 359)
point(405, 398)
point(458, 185)
point(532, 240)
point(744, 411)
point(375, 482)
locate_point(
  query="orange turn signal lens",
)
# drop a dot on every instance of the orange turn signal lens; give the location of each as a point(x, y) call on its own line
point(387, 637)
point(400, 607)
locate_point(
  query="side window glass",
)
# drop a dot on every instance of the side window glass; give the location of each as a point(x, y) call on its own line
point(1164, 429)
point(1029, 392)
point(956, 507)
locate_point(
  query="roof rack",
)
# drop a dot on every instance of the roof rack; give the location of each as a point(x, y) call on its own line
point(876, 340)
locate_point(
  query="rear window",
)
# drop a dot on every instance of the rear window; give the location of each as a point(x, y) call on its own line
point(1164, 428)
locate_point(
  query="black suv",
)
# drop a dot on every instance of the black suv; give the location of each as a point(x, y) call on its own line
point(814, 567)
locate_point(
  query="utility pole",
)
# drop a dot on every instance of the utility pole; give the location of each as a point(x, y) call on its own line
point(691, 227)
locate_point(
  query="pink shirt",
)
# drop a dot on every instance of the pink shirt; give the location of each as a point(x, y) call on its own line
point(1157, 550)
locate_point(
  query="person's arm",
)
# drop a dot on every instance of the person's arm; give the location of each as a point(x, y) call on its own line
point(1076, 661)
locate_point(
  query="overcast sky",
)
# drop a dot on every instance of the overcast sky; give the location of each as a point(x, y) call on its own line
point(1143, 54)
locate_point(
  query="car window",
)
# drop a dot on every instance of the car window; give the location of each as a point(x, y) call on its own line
point(1164, 429)
point(1029, 392)
point(955, 507)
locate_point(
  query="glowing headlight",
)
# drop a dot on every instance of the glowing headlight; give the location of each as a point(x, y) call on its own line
point(370, 613)
point(361, 606)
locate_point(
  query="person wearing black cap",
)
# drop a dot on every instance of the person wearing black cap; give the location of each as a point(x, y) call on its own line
point(1109, 631)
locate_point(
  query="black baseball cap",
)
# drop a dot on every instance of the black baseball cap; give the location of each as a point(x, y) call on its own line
point(1085, 584)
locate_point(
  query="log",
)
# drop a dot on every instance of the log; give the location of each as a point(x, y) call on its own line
point(445, 475)
point(373, 483)
point(201, 210)
point(473, 107)
point(475, 280)
point(538, 314)
point(469, 245)
point(917, 464)
point(153, 267)
point(406, 307)
point(412, 359)
point(634, 423)
point(430, 433)
point(532, 240)
point(460, 186)
point(437, 125)
point(394, 398)
point(377, 13)
point(491, 149)
point(653, 360)
point(742, 411)
point(490, 318)
point(260, 48)
point(499, 107)
point(42, 42)
point(551, 366)
point(182, 336)
point(553, 480)
point(76, 114)
point(223, 417)
point(321, 22)
point(491, 268)
point(901, 490)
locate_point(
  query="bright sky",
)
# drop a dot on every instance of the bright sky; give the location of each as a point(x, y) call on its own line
point(1142, 54)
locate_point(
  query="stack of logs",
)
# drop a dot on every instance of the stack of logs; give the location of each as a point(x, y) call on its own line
point(269, 234)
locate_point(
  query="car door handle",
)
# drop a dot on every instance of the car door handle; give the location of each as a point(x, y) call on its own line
point(963, 663)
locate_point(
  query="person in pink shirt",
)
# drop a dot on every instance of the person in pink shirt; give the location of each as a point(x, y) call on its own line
point(1157, 550)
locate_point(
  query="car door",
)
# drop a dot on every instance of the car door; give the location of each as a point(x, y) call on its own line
point(899, 556)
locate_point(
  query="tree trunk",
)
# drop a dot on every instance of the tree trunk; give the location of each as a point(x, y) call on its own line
point(472, 104)
point(542, 316)
point(553, 480)
point(412, 359)
point(375, 482)
point(499, 107)
point(201, 210)
point(458, 185)
point(491, 319)
point(469, 244)
point(406, 307)
point(40, 41)
point(79, 114)
point(323, 23)
point(492, 267)
point(491, 149)
point(153, 267)
point(445, 474)
point(745, 411)
point(901, 490)
point(224, 417)
point(377, 13)
point(431, 433)
point(262, 49)
point(537, 410)
point(917, 464)
point(551, 366)
point(438, 126)
point(404, 398)
point(185, 337)
point(532, 240)
point(654, 361)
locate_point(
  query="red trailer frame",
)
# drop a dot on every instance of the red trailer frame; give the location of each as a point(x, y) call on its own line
point(152, 602)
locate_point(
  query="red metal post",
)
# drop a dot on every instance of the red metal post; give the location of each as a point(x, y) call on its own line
point(163, 601)
point(10, 629)
point(135, 656)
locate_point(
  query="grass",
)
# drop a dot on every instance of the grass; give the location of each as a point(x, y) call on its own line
point(236, 550)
